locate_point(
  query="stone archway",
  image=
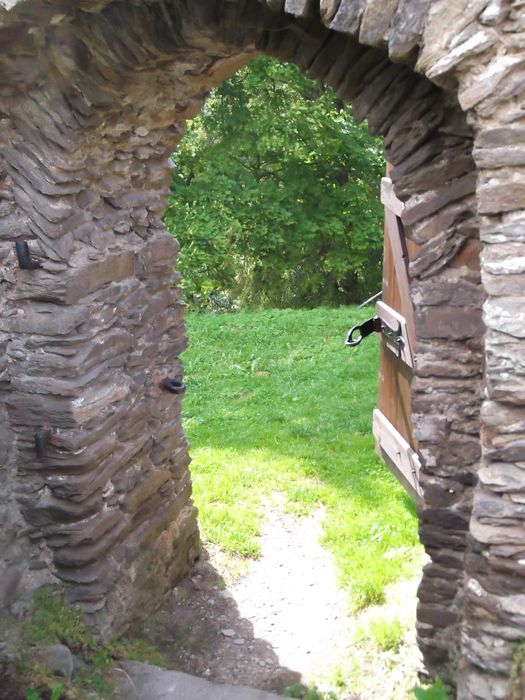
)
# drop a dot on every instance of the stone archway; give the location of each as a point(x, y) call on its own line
point(93, 461)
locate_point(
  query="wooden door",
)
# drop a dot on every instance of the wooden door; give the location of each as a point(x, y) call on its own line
point(392, 421)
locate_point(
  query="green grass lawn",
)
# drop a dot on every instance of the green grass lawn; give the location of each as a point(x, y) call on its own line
point(276, 402)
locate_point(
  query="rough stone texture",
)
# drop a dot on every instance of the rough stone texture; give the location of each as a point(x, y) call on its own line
point(93, 100)
point(58, 660)
point(157, 684)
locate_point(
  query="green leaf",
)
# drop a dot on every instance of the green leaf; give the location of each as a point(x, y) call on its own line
point(57, 691)
point(32, 694)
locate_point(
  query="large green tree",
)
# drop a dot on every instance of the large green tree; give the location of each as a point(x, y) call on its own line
point(275, 195)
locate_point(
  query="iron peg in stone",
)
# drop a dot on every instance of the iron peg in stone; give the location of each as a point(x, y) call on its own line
point(23, 254)
point(41, 443)
point(173, 386)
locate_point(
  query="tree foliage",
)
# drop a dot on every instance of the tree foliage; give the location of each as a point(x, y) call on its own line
point(275, 195)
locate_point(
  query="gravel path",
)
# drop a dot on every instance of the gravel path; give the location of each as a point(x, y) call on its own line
point(292, 599)
point(283, 621)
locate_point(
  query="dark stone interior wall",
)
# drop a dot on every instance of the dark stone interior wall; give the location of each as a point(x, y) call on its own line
point(93, 102)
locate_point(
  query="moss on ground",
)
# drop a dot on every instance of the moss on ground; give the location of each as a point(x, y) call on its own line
point(50, 621)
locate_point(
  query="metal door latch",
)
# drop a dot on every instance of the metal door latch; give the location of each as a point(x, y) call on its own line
point(393, 337)
point(373, 325)
point(376, 325)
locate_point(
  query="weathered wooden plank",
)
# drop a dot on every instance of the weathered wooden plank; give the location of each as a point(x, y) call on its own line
point(395, 320)
point(394, 397)
point(389, 198)
point(394, 233)
point(400, 457)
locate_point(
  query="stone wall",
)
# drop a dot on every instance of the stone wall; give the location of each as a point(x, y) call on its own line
point(93, 461)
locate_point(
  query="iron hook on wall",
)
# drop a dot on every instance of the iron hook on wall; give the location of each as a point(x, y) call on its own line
point(173, 386)
point(23, 254)
point(41, 442)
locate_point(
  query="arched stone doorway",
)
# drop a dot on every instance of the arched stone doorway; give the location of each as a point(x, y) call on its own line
point(93, 461)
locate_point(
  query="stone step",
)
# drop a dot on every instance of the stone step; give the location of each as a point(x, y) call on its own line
point(146, 682)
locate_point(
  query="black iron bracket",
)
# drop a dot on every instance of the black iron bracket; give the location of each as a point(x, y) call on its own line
point(41, 442)
point(23, 254)
point(173, 386)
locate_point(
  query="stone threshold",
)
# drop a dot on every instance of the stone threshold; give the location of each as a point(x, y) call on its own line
point(146, 682)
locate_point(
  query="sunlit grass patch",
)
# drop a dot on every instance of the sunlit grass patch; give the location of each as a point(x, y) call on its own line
point(277, 403)
point(386, 634)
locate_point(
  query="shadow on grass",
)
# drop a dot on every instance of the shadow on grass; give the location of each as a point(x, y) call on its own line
point(347, 462)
